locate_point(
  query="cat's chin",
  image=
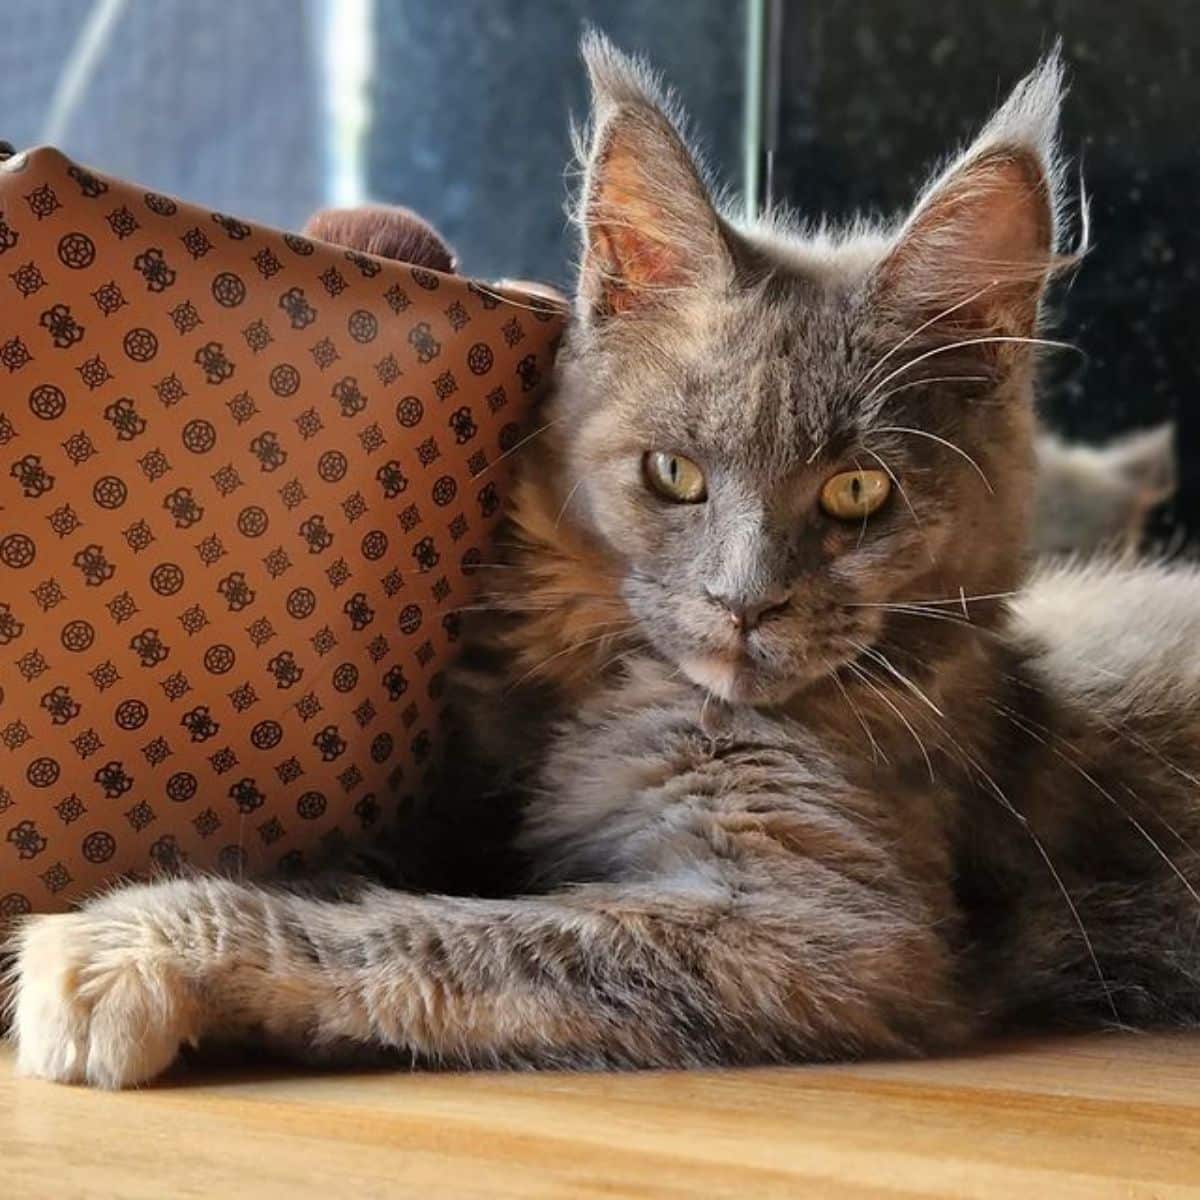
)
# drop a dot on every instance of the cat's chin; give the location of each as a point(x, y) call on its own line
point(737, 682)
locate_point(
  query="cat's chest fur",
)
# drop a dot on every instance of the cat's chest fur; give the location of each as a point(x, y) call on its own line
point(649, 778)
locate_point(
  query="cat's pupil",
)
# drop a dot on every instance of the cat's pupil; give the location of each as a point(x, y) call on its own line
point(856, 488)
point(674, 469)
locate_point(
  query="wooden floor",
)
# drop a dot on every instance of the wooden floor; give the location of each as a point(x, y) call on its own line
point(1103, 1116)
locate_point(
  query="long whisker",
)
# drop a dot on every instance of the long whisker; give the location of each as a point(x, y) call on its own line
point(960, 598)
point(962, 345)
point(881, 658)
point(1123, 731)
point(522, 443)
point(1021, 723)
point(932, 610)
point(926, 381)
point(574, 646)
point(920, 329)
point(876, 752)
point(907, 502)
point(551, 600)
point(1023, 821)
point(567, 501)
point(862, 529)
point(1058, 880)
point(861, 673)
point(913, 610)
point(933, 437)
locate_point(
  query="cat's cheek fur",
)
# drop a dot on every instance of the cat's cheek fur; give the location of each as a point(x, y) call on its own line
point(612, 497)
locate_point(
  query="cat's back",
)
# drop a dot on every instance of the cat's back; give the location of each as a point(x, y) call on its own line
point(1119, 635)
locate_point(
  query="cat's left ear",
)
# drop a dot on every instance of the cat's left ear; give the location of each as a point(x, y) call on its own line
point(982, 242)
point(649, 226)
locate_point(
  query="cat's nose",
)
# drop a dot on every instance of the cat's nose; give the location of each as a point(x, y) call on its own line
point(747, 612)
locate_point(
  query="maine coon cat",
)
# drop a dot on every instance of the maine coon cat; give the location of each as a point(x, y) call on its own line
point(1098, 498)
point(794, 762)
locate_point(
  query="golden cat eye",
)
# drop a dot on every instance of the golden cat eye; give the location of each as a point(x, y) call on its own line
point(853, 495)
point(675, 478)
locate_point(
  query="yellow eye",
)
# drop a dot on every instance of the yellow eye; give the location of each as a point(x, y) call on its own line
point(675, 477)
point(853, 495)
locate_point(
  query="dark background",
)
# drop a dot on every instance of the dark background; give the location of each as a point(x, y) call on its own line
point(874, 92)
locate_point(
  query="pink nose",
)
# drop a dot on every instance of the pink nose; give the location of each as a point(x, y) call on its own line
point(747, 612)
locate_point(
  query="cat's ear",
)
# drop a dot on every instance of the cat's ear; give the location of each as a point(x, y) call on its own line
point(649, 225)
point(1146, 460)
point(982, 242)
point(385, 230)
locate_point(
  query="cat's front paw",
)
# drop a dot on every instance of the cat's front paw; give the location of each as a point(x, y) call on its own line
point(97, 1001)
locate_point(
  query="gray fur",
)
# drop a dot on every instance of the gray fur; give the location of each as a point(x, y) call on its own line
point(897, 811)
point(1097, 498)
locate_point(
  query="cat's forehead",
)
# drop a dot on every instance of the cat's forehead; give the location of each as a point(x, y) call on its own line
point(775, 374)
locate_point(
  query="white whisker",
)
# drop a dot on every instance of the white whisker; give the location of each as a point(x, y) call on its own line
point(904, 341)
point(925, 382)
point(933, 437)
point(876, 752)
point(907, 502)
point(574, 646)
point(522, 443)
point(1022, 724)
point(570, 497)
point(961, 345)
point(1023, 821)
point(881, 658)
point(862, 675)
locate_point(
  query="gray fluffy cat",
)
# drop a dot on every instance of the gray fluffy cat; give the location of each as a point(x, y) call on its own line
point(797, 764)
point(1096, 499)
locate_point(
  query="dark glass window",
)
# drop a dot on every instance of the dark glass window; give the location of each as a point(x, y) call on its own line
point(875, 91)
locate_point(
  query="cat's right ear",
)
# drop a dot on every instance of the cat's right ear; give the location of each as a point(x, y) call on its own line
point(649, 226)
point(977, 252)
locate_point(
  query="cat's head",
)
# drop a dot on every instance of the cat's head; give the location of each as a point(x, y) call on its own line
point(1095, 499)
point(773, 435)
point(386, 230)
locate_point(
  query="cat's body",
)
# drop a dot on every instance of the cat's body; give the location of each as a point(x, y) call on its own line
point(1010, 803)
point(780, 785)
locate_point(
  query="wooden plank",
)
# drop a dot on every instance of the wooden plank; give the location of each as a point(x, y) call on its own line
point(1088, 1117)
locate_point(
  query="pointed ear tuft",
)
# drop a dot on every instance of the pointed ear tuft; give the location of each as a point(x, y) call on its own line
point(649, 227)
point(982, 242)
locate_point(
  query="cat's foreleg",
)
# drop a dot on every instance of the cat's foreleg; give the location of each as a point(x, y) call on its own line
point(693, 970)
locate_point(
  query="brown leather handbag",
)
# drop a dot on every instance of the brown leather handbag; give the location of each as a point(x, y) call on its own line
point(244, 479)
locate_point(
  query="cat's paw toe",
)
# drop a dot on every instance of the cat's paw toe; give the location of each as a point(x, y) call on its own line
point(94, 1004)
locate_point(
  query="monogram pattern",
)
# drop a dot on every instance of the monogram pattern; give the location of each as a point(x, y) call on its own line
point(245, 479)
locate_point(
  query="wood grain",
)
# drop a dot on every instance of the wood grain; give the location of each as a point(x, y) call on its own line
point(1089, 1117)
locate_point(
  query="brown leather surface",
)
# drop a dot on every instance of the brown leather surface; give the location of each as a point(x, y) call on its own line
point(243, 477)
